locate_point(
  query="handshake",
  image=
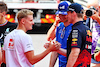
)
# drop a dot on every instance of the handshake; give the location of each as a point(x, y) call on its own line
point(54, 46)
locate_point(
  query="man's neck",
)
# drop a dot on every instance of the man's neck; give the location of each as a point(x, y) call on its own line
point(66, 24)
point(77, 20)
point(21, 27)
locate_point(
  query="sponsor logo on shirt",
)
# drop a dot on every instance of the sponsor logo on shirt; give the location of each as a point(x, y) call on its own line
point(75, 34)
point(74, 37)
point(6, 32)
point(89, 33)
point(29, 45)
point(89, 36)
point(87, 46)
point(11, 44)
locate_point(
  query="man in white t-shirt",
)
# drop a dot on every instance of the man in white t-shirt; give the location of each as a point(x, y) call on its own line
point(18, 49)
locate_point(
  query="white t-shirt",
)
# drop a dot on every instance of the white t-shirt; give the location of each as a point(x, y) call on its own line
point(16, 43)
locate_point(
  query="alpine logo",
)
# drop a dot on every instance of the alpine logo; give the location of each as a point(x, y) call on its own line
point(62, 7)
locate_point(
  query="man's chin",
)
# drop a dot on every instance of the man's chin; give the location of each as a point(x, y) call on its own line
point(30, 29)
point(66, 21)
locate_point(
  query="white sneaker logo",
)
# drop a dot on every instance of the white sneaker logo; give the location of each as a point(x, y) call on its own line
point(62, 7)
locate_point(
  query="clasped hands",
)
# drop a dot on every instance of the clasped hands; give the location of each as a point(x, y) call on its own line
point(53, 46)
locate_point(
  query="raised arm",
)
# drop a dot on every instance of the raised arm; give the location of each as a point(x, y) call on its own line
point(51, 33)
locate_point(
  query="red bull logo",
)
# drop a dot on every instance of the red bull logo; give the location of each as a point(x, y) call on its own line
point(89, 36)
point(74, 42)
point(89, 33)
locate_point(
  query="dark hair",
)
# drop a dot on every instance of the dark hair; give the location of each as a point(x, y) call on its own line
point(80, 15)
point(3, 7)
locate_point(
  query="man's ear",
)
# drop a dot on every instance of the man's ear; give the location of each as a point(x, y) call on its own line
point(23, 21)
point(74, 13)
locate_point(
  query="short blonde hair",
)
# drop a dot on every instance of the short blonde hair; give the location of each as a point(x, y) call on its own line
point(23, 13)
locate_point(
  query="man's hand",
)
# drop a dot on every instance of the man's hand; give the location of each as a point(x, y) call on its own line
point(97, 56)
point(52, 46)
point(57, 20)
point(95, 15)
point(1, 16)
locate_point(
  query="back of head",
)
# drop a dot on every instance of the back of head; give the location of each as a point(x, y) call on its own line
point(3, 7)
point(23, 13)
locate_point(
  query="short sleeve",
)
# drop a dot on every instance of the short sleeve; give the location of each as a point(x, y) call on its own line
point(76, 39)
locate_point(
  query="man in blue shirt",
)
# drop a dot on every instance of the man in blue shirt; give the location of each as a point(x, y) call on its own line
point(61, 36)
point(61, 31)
